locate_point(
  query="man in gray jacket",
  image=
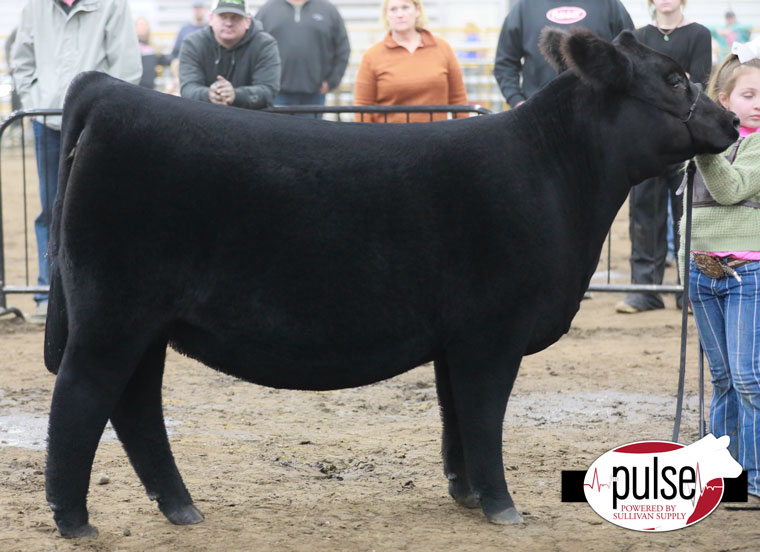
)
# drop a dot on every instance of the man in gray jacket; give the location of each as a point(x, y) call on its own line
point(313, 43)
point(56, 40)
point(232, 61)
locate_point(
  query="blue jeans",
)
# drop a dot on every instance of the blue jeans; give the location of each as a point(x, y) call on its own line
point(727, 314)
point(47, 146)
point(298, 98)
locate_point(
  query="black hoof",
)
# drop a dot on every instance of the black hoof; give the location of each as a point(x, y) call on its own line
point(85, 531)
point(463, 494)
point(182, 515)
point(73, 523)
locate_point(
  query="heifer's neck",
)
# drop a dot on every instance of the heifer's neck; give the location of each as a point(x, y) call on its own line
point(590, 161)
point(589, 157)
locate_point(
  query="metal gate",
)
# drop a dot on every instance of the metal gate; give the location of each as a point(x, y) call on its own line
point(16, 141)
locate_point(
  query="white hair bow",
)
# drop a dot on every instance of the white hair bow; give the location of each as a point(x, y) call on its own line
point(746, 51)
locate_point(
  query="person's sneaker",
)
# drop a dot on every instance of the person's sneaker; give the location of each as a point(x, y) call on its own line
point(40, 313)
point(625, 308)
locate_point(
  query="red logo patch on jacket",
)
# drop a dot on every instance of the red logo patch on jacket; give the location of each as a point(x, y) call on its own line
point(566, 15)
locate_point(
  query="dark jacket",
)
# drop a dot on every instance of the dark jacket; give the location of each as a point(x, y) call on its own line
point(517, 53)
point(252, 66)
point(313, 43)
point(690, 46)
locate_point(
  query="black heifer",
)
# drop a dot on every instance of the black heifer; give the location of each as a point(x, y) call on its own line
point(312, 255)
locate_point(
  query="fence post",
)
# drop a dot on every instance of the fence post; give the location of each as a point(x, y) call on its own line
point(4, 309)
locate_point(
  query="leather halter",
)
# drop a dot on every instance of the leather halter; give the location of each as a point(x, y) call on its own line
point(694, 105)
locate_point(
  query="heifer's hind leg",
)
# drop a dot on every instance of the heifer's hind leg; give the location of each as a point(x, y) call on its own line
point(451, 444)
point(91, 378)
point(139, 422)
point(481, 380)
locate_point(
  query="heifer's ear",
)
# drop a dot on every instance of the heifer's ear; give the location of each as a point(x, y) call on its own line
point(595, 60)
point(549, 42)
point(628, 39)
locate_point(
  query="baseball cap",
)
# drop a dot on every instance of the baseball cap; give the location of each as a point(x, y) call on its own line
point(230, 6)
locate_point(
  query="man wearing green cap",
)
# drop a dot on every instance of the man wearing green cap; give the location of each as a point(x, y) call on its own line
point(232, 61)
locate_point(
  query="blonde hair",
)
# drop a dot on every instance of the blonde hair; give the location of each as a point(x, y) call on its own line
point(420, 22)
point(653, 10)
point(724, 77)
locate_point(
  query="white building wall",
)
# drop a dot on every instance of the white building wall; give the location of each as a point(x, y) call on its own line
point(167, 15)
point(707, 12)
point(483, 13)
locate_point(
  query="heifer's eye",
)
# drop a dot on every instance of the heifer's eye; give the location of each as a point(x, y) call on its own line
point(675, 80)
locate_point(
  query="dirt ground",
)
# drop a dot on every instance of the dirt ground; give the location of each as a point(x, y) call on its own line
point(360, 469)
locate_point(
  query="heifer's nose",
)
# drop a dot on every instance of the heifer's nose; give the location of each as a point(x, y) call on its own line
point(735, 121)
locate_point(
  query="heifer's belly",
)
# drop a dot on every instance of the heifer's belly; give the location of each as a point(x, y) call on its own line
point(555, 314)
point(299, 363)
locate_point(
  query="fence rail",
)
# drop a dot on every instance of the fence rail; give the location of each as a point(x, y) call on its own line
point(317, 111)
point(8, 288)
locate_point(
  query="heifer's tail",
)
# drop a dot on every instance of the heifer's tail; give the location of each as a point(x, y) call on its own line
point(57, 326)
point(79, 100)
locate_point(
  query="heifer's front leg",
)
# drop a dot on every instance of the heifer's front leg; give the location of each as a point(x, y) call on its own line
point(451, 443)
point(481, 381)
point(87, 388)
point(139, 422)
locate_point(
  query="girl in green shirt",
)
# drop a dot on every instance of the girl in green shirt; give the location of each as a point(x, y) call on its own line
point(726, 230)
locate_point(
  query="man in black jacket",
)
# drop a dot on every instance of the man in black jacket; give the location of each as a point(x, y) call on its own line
point(231, 62)
point(517, 53)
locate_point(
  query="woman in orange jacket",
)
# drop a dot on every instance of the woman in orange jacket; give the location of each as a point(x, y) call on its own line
point(409, 66)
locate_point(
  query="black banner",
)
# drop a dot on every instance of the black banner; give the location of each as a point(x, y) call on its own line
point(734, 490)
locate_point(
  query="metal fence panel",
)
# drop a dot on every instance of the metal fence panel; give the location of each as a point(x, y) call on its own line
point(335, 113)
point(15, 138)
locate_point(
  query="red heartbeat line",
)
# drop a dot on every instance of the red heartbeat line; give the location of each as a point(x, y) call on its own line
point(596, 483)
point(706, 487)
point(599, 485)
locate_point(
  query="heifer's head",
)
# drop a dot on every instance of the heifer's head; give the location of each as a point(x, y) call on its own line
point(647, 95)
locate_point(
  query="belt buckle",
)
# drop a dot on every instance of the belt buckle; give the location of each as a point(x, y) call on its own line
point(713, 266)
point(708, 265)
